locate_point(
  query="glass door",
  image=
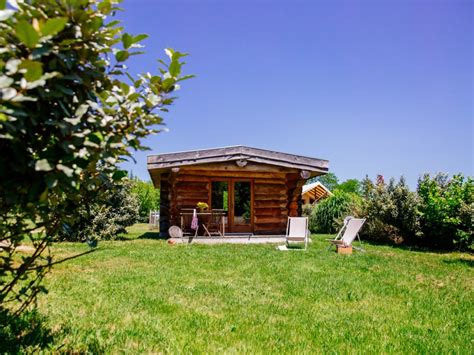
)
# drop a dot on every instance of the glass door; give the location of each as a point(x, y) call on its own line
point(220, 199)
point(241, 206)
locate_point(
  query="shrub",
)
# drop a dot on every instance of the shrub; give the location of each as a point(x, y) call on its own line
point(447, 211)
point(391, 211)
point(106, 217)
point(328, 214)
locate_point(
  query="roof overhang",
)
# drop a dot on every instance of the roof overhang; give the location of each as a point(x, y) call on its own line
point(164, 162)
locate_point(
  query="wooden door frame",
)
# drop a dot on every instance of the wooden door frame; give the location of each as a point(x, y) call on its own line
point(230, 200)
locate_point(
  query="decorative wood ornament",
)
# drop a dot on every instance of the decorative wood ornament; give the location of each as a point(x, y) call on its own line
point(305, 174)
point(241, 163)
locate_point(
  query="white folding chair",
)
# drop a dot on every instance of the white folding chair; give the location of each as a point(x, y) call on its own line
point(348, 233)
point(297, 230)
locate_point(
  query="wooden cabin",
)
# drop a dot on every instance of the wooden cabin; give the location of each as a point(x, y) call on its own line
point(258, 189)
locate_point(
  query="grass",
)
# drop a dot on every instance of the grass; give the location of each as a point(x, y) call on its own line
point(142, 295)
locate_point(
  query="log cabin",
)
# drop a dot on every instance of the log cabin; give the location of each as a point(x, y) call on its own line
point(258, 189)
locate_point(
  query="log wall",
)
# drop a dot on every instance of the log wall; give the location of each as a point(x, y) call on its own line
point(276, 193)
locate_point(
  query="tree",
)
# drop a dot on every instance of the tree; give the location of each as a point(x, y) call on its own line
point(148, 197)
point(69, 112)
point(329, 180)
point(350, 185)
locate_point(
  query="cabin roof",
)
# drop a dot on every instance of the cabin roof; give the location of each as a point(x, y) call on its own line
point(235, 153)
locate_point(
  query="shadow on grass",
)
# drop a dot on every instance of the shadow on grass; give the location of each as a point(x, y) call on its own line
point(460, 262)
point(151, 235)
point(413, 247)
point(146, 235)
point(24, 333)
point(27, 333)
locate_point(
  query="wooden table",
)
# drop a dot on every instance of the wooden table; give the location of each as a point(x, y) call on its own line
point(204, 215)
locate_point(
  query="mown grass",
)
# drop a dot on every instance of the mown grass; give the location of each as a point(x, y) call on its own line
point(142, 295)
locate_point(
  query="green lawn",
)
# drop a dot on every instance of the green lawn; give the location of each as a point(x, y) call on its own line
point(142, 295)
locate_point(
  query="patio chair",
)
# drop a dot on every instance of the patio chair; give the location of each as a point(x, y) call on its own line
point(297, 231)
point(348, 233)
point(213, 223)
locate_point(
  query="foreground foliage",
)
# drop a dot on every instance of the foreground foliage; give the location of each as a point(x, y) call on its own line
point(143, 295)
point(69, 112)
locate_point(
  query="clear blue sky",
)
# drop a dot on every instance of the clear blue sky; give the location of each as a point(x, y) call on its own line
point(375, 87)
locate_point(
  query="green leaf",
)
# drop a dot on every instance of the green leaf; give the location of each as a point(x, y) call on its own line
point(175, 68)
point(43, 165)
point(53, 26)
point(105, 7)
point(119, 174)
point(140, 38)
point(186, 77)
point(34, 70)
point(3, 4)
point(122, 56)
point(26, 33)
point(127, 40)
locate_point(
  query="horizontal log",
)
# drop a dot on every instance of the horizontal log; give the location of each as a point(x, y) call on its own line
point(259, 212)
point(192, 187)
point(235, 174)
point(192, 194)
point(266, 197)
point(190, 201)
point(192, 178)
point(269, 203)
point(270, 220)
point(269, 189)
point(270, 227)
point(270, 181)
point(232, 166)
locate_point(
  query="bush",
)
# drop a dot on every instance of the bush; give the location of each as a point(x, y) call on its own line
point(328, 214)
point(105, 218)
point(447, 211)
point(391, 211)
